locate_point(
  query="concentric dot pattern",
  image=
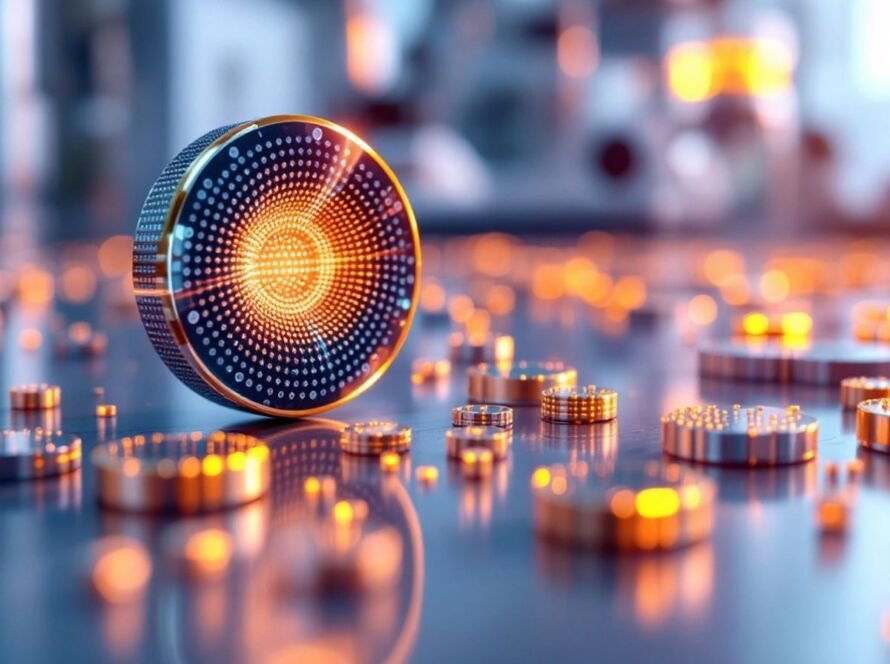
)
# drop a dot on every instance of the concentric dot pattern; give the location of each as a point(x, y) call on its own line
point(293, 264)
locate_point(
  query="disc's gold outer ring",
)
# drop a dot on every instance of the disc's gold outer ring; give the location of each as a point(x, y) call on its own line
point(163, 288)
point(859, 389)
point(873, 424)
point(149, 485)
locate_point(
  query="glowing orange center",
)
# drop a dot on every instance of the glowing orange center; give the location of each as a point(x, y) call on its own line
point(289, 265)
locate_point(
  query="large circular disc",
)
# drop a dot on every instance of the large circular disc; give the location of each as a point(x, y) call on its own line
point(276, 265)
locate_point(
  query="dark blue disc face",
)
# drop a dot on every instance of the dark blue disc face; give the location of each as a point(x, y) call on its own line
point(293, 265)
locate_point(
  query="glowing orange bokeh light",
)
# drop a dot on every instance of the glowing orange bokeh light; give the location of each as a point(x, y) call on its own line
point(740, 66)
point(577, 51)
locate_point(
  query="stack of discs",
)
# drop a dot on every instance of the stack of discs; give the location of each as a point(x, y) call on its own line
point(482, 415)
point(492, 438)
point(518, 384)
point(34, 453)
point(647, 507)
point(873, 424)
point(858, 389)
point(752, 436)
point(35, 397)
point(184, 473)
point(566, 405)
point(375, 437)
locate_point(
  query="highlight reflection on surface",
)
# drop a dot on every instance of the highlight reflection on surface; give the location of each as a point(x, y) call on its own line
point(363, 540)
point(650, 590)
point(340, 576)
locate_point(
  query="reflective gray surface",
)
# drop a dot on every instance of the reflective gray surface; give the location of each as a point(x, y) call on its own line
point(477, 585)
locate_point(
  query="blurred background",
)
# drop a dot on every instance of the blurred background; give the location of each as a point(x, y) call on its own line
point(603, 182)
point(520, 115)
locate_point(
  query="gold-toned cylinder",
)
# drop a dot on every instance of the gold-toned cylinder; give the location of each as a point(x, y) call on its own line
point(873, 424)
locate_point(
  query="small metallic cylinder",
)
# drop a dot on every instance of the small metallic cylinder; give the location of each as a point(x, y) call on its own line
point(873, 424)
point(517, 384)
point(860, 388)
point(184, 473)
point(482, 415)
point(584, 406)
point(654, 507)
point(753, 436)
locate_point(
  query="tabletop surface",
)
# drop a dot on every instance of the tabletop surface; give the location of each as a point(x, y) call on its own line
point(476, 583)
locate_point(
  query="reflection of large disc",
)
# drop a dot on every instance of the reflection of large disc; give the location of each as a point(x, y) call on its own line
point(312, 448)
point(276, 265)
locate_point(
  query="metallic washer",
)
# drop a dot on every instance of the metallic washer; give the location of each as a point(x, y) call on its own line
point(517, 384)
point(482, 415)
point(748, 436)
point(459, 439)
point(184, 473)
point(873, 424)
point(34, 453)
point(375, 438)
point(860, 388)
point(822, 363)
point(276, 265)
point(648, 507)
